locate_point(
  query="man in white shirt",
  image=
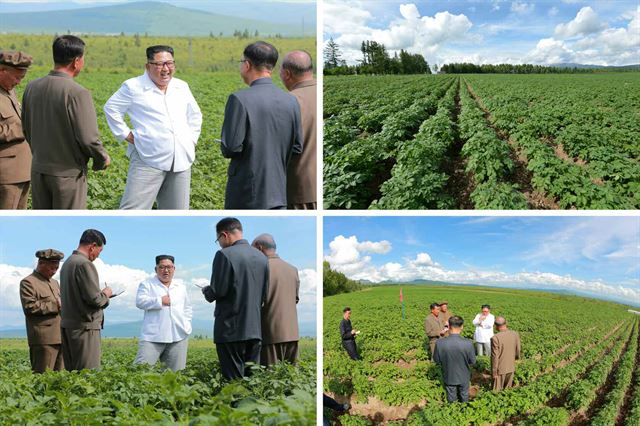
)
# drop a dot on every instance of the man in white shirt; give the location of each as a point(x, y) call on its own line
point(484, 331)
point(167, 317)
point(166, 125)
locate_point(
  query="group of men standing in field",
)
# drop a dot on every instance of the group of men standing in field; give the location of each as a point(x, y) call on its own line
point(47, 142)
point(255, 292)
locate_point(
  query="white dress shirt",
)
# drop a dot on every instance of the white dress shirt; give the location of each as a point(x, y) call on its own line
point(164, 324)
point(484, 328)
point(166, 126)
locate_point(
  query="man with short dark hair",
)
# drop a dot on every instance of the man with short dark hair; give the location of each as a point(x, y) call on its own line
point(167, 317)
point(261, 131)
point(455, 356)
point(40, 298)
point(166, 123)
point(15, 155)
point(348, 334)
point(239, 286)
point(444, 316)
point(433, 327)
point(83, 303)
point(484, 330)
point(296, 74)
point(505, 349)
point(59, 122)
point(279, 315)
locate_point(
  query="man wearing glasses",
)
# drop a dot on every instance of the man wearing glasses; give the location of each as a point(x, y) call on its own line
point(239, 286)
point(167, 317)
point(166, 125)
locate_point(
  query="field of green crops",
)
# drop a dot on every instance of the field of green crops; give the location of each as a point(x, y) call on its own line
point(580, 365)
point(211, 70)
point(123, 394)
point(482, 142)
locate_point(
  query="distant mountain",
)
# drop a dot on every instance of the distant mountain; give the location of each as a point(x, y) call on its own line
point(587, 66)
point(153, 18)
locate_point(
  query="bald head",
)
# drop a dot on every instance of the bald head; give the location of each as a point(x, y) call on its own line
point(501, 323)
point(297, 66)
point(265, 243)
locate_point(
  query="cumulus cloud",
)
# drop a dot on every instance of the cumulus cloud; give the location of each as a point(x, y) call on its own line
point(585, 22)
point(522, 8)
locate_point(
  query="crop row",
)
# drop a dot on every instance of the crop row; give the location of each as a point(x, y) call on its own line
point(633, 417)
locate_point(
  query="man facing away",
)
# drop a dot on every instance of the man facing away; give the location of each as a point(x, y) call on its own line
point(296, 74)
point(83, 303)
point(455, 356)
point(59, 122)
point(484, 330)
point(505, 349)
point(15, 155)
point(166, 126)
point(239, 286)
point(261, 131)
point(40, 298)
point(167, 317)
point(279, 315)
point(348, 334)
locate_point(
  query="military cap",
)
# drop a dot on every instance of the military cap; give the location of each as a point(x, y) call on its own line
point(444, 302)
point(50, 254)
point(15, 59)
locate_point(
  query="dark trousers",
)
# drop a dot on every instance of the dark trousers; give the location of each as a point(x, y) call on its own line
point(58, 192)
point(46, 357)
point(458, 393)
point(81, 349)
point(350, 347)
point(234, 355)
point(276, 352)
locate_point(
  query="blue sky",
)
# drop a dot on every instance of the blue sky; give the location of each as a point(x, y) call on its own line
point(133, 243)
point(602, 32)
point(598, 256)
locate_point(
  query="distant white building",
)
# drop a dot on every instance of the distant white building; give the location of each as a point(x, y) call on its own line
point(634, 312)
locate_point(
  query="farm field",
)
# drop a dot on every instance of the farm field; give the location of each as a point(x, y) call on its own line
point(482, 141)
point(580, 362)
point(211, 70)
point(121, 394)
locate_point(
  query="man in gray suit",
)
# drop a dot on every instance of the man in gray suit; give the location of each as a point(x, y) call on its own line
point(82, 304)
point(59, 122)
point(455, 355)
point(239, 286)
point(261, 130)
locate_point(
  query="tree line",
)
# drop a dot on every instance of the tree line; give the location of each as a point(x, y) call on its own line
point(334, 282)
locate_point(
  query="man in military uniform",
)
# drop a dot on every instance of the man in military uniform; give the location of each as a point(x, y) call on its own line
point(40, 298)
point(15, 155)
point(433, 327)
point(444, 316)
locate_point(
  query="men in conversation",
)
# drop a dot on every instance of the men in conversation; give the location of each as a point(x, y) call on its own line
point(167, 317)
point(239, 286)
point(296, 74)
point(433, 327)
point(279, 315)
point(484, 330)
point(505, 349)
point(59, 122)
point(15, 154)
point(261, 131)
point(83, 303)
point(348, 334)
point(40, 298)
point(455, 356)
point(166, 123)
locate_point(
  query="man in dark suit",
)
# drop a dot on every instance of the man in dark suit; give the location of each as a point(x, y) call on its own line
point(455, 355)
point(349, 335)
point(83, 303)
point(261, 130)
point(239, 286)
point(59, 122)
point(505, 349)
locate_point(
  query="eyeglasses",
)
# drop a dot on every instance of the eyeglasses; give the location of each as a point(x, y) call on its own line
point(165, 268)
point(220, 235)
point(160, 65)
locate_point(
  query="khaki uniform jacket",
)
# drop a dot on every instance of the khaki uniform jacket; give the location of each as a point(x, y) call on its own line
point(15, 154)
point(39, 296)
point(82, 299)
point(301, 173)
point(432, 326)
point(443, 317)
point(505, 349)
point(59, 121)
point(279, 314)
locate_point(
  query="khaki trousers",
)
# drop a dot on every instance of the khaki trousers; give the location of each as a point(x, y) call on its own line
point(46, 357)
point(503, 381)
point(14, 196)
point(276, 352)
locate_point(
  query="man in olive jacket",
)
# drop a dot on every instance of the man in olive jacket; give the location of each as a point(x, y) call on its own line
point(239, 286)
point(40, 298)
point(505, 349)
point(82, 304)
point(59, 122)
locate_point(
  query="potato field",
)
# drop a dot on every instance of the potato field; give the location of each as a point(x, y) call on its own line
point(482, 141)
point(123, 394)
point(580, 362)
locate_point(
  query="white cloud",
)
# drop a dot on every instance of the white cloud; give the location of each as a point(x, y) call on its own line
point(423, 259)
point(550, 51)
point(345, 17)
point(585, 22)
point(522, 8)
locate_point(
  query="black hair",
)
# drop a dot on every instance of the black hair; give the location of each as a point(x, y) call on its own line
point(161, 257)
point(433, 305)
point(347, 309)
point(297, 68)
point(261, 55)
point(66, 48)
point(152, 50)
point(456, 322)
point(228, 224)
point(91, 236)
point(485, 306)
